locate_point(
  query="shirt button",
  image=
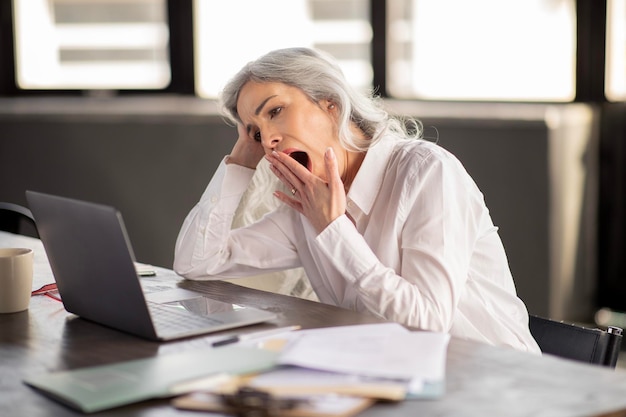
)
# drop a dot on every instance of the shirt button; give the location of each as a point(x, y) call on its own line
point(214, 199)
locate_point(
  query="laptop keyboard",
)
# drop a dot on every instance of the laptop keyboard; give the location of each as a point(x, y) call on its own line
point(170, 319)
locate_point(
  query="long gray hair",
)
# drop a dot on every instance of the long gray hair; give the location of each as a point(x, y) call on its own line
point(320, 78)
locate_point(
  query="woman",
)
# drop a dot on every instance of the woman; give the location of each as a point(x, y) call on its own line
point(380, 221)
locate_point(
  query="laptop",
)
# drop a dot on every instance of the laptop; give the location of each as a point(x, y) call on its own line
point(94, 268)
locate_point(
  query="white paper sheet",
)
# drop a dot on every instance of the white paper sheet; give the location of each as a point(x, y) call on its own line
point(378, 350)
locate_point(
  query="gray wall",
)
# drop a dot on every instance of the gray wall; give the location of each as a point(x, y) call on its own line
point(154, 166)
point(152, 170)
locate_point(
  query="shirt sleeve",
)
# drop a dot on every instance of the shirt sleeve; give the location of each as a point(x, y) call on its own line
point(438, 226)
point(207, 248)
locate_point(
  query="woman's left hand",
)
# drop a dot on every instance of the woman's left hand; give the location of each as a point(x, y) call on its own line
point(319, 201)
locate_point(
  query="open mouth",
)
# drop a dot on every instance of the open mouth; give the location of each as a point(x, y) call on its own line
point(302, 158)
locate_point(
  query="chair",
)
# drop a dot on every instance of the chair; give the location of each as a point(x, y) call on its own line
point(17, 219)
point(591, 345)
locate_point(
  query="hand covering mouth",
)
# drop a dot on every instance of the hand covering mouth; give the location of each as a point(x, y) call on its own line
point(302, 158)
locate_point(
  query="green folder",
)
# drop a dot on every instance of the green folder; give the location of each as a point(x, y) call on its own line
point(103, 387)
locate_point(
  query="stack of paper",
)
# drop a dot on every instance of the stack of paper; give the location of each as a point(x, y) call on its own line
point(340, 369)
point(383, 361)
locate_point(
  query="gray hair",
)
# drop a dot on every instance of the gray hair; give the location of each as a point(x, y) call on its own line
point(320, 78)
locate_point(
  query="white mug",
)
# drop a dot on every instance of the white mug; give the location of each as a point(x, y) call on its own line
point(16, 279)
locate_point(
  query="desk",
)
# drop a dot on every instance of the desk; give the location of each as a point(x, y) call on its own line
point(481, 381)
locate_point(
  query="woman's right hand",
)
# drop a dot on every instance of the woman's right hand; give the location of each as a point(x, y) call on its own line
point(247, 152)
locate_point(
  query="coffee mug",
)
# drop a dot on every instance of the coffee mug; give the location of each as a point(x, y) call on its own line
point(16, 279)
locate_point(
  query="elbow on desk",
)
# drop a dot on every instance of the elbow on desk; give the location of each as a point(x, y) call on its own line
point(198, 270)
point(187, 270)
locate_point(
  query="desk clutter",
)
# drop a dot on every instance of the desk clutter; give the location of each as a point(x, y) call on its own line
point(335, 371)
point(480, 380)
point(249, 402)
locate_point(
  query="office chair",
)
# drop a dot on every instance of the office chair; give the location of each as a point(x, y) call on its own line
point(591, 345)
point(17, 219)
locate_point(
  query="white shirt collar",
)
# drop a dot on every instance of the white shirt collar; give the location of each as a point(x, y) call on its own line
point(368, 180)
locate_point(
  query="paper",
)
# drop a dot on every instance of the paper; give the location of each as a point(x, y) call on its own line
point(387, 351)
point(301, 381)
point(381, 350)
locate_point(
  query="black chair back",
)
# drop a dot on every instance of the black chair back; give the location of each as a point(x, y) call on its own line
point(591, 345)
point(17, 219)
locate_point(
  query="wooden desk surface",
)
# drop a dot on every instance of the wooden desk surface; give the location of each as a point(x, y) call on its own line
point(481, 380)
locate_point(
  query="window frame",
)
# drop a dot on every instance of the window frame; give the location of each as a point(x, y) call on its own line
point(590, 50)
point(180, 50)
point(590, 55)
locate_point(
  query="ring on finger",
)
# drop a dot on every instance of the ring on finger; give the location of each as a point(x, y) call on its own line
point(293, 191)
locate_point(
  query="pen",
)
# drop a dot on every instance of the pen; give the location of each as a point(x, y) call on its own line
point(256, 335)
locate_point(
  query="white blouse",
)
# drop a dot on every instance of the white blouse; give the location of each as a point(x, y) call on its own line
point(422, 251)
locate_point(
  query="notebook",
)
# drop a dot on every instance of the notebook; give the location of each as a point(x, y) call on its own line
point(103, 387)
point(94, 267)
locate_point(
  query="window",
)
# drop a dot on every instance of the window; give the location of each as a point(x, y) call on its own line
point(231, 33)
point(85, 44)
point(615, 86)
point(482, 50)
